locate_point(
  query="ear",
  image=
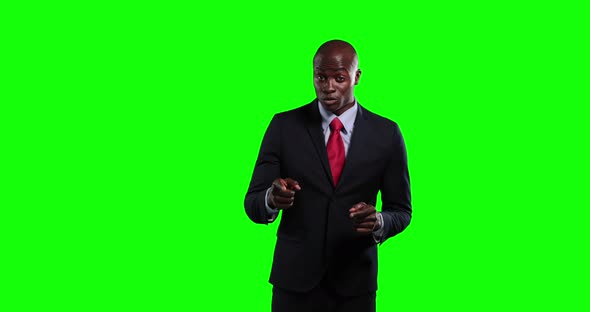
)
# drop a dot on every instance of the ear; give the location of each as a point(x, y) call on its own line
point(357, 76)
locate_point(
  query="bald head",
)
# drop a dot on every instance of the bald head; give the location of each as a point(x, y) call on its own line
point(343, 51)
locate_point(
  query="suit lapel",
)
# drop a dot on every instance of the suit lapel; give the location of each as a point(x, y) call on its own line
point(356, 147)
point(314, 128)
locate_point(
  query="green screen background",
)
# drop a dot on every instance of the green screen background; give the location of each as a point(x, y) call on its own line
point(130, 131)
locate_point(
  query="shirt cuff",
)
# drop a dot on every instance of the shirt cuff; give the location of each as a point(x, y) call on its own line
point(271, 213)
point(378, 234)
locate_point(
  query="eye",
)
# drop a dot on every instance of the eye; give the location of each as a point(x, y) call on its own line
point(321, 77)
point(340, 79)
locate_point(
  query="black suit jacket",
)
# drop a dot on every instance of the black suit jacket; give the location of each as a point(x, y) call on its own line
point(315, 238)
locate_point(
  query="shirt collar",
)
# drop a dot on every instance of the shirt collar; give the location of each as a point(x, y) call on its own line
point(347, 118)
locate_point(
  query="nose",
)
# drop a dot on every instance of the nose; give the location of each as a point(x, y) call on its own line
point(328, 86)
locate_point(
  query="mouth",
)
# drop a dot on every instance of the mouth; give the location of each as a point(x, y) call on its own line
point(329, 101)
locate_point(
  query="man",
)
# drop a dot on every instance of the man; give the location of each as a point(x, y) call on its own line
point(322, 165)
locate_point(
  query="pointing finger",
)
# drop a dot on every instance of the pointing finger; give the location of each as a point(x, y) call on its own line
point(280, 184)
point(292, 184)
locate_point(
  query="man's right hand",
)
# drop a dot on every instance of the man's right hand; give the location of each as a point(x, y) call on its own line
point(282, 193)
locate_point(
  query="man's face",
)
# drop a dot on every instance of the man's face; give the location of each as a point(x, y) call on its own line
point(335, 75)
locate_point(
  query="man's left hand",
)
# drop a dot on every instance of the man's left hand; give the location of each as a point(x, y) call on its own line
point(364, 218)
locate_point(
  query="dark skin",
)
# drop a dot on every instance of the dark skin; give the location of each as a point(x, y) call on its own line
point(336, 72)
point(335, 75)
point(282, 193)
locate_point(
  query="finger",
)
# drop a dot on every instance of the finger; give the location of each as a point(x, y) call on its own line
point(363, 231)
point(283, 205)
point(285, 193)
point(283, 200)
point(292, 184)
point(365, 225)
point(370, 218)
point(363, 213)
point(279, 188)
point(279, 184)
point(357, 207)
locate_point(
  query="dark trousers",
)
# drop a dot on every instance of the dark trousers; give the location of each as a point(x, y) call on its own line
point(321, 298)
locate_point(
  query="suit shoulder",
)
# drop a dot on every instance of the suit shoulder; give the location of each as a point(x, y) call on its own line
point(298, 113)
point(384, 128)
point(295, 111)
point(379, 121)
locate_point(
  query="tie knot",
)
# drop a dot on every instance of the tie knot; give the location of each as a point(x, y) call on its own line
point(336, 125)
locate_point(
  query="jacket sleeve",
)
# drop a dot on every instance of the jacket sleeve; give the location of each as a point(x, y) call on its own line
point(396, 208)
point(266, 170)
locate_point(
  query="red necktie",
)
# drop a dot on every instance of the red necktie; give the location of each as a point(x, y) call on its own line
point(335, 149)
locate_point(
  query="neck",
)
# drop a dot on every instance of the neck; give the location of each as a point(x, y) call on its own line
point(344, 108)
